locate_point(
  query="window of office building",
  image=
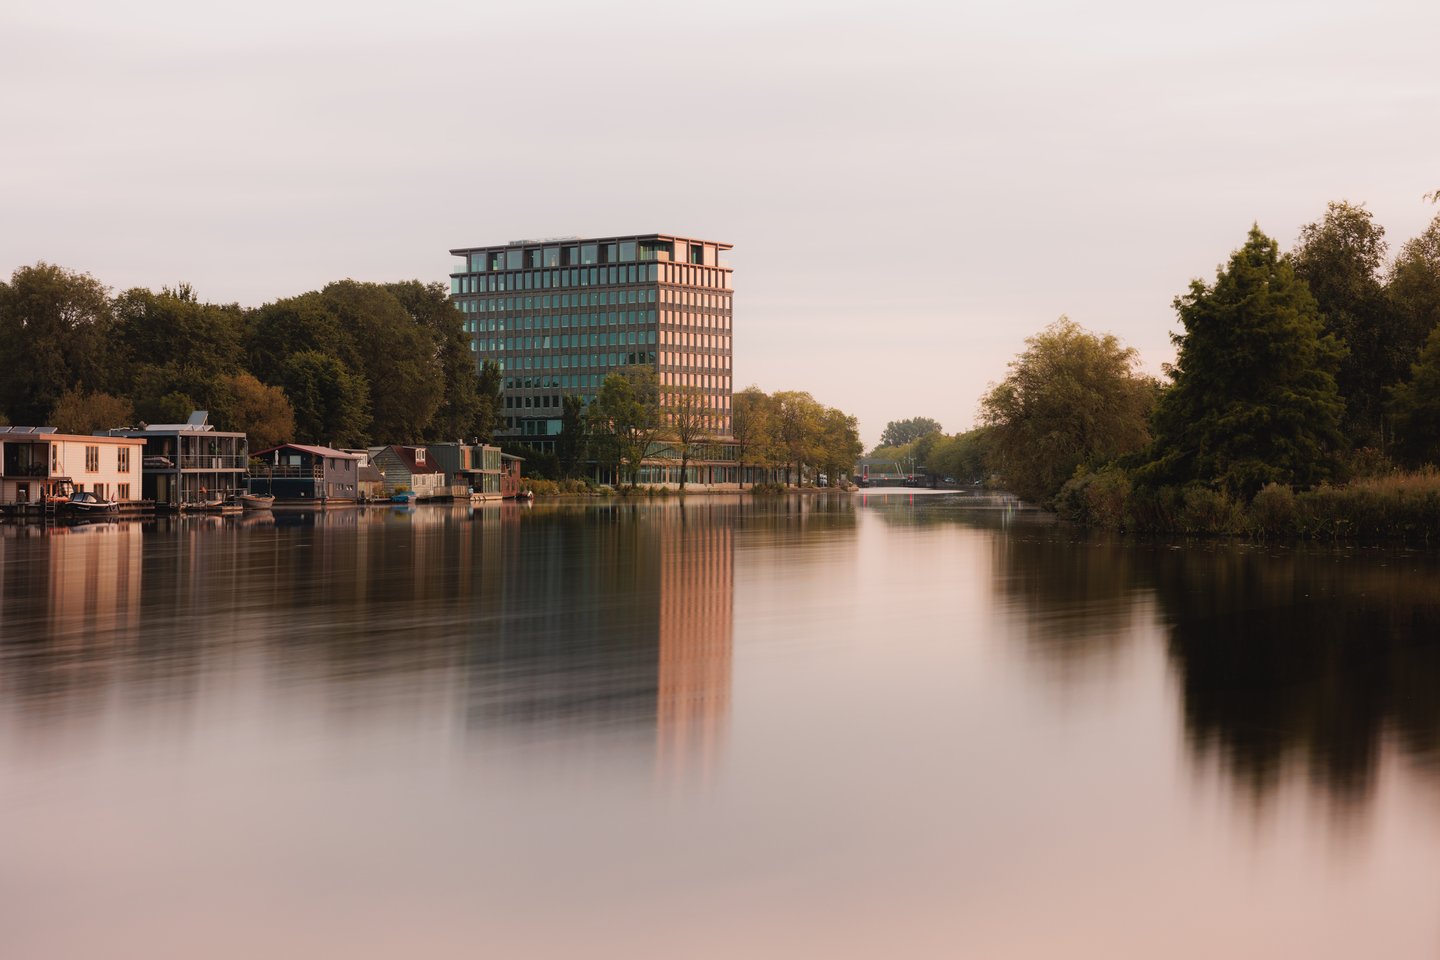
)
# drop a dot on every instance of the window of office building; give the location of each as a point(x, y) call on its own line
point(514, 259)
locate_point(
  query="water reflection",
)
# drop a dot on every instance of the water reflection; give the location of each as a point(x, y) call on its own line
point(1308, 659)
point(561, 620)
point(1313, 656)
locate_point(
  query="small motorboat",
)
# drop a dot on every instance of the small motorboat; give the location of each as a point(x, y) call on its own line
point(256, 501)
point(404, 497)
point(85, 503)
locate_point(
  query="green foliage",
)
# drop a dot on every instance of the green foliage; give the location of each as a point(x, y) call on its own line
point(797, 426)
point(1415, 407)
point(571, 444)
point(329, 402)
point(1072, 400)
point(1341, 258)
point(430, 308)
point(767, 489)
point(1413, 292)
point(1253, 399)
point(55, 329)
point(964, 456)
point(626, 417)
point(686, 422)
point(1272, 512)
point(752, 425)
point(488, 401)
point(900, 432)
point(1095, 499)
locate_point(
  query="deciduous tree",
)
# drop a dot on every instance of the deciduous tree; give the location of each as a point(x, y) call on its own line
point(55, 328)
point(1072, 399)
point(687, 421)
point(86, 413)
point(898, 432)
point(752, 424)
point(626, 412)
point(1341, 258)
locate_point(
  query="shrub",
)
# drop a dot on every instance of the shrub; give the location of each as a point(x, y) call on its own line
point(1209, 512)
point(1095, 499)
point(1272, 512)
point(767, 489)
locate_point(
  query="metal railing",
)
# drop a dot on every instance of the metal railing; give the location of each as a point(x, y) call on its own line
point(194, 461)
point(284, 472)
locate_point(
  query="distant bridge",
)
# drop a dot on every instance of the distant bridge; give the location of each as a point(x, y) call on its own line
point(888, 473)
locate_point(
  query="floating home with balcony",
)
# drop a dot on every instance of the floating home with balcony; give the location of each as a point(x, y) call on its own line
point(299, 473)
point(190, 464)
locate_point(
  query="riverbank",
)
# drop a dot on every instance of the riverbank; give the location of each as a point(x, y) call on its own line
point(1397, 506)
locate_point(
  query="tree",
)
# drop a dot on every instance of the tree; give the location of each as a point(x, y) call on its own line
point(898, 432)
point(1341, 258)
point(964, 456)
point(85, 413)
point(1253, 397)
point(430, 307)
point(1072, 399)
point(396, 355)
point(838, 446)
point(797, 422)
point(1413, 291)
point(488, 397)
point(330, 404)
point(251, 407)
point(1415, 406)
point(752, 424)
point(54, 336)
point(626, 412)
point(570, 444)
point(686, 421)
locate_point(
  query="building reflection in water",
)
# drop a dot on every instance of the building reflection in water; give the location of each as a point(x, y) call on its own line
point(559, 623)
point(610, 620)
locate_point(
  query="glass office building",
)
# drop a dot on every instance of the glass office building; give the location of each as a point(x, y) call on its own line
point(559, 315)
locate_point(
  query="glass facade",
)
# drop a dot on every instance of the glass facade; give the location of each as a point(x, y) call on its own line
point(565, 316)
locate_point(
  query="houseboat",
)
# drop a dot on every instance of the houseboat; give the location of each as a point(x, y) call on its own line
point(296, 473)
point(190, 465)
point(41, 469)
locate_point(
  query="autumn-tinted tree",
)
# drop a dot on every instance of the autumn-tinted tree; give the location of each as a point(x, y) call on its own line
point(797, 426)
point(55, 331)
point(1253, 399)
point(838, 446)
point(1341, 258)
point(752, 425)
point(899, 432)
point(687, 421)
point(1072, 399)
point(263, 412)
point(86, 413)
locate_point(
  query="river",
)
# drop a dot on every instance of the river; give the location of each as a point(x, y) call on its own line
point(847, 726)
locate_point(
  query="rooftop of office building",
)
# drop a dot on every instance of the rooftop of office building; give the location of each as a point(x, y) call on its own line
point(587, 251)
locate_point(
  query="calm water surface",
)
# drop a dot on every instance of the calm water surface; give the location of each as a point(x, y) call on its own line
point(926, 726)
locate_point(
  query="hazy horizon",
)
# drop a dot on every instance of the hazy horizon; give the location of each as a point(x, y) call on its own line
point(911, 193)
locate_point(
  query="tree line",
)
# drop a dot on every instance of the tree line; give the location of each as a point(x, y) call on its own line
point(345, 365)
point(634, 420)
point(1296, 369)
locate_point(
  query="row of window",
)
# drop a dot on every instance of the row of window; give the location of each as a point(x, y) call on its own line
point(520, 257)
point(563, 321)
point(592, 277)
point(616, 338)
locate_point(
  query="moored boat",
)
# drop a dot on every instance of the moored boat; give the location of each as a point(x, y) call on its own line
point(85, 503)
point(256, 501)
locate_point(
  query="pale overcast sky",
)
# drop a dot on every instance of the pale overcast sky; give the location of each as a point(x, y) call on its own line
point(912, 189)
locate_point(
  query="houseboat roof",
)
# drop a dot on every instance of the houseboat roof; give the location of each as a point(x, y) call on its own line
point(51, 433)
point(407, 457)
point(307, 448)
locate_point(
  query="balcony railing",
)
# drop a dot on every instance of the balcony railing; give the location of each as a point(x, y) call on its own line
point(191, 461)
point(285, 472)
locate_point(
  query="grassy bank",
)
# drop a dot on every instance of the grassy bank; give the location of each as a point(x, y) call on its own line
point(1398, 506)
